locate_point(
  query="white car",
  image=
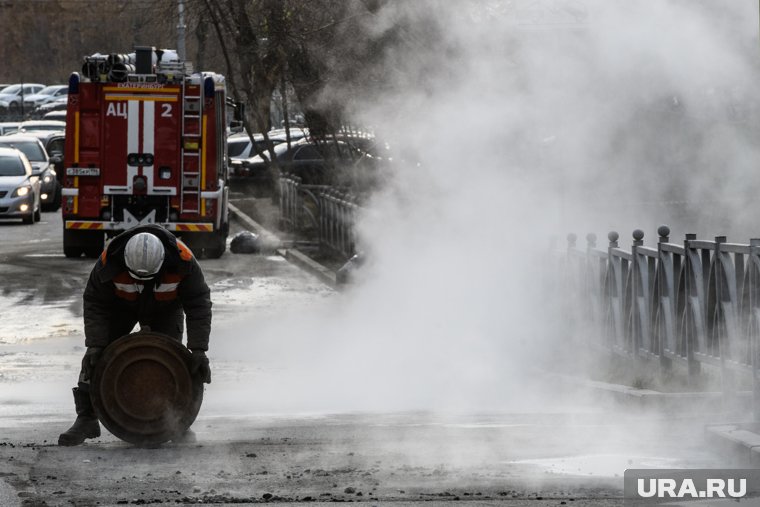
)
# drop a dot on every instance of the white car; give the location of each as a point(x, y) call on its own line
point(240, 149)
point(38, 125)
point(19, 188)
point(11, 96)
point(50, 189)
point(8, 127)
point(47, 94)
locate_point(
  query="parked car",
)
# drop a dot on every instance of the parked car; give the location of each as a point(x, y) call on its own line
point(8, 127)
point(19, 187)
point(32, 147)
point(55, 115)
point(281, 136)
point(240, 148)
point(47, 94)
point(11, 96)
point(304, 158)
point(54, 143)
point(41, 125)
point(58, 104)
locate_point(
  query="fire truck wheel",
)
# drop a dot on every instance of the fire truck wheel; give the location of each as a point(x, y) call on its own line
point(219, 245)
point(72, 252)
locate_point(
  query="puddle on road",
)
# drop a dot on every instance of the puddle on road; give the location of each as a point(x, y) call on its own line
point(259, 294)
point(598, 465)
point(43, 322)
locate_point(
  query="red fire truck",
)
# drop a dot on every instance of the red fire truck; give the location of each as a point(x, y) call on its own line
point(145, 143)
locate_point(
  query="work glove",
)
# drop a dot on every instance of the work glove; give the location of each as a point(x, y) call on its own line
point(199, 365)
point(90, 360)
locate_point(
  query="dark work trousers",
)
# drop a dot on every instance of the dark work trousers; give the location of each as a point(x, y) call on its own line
point(171, 324)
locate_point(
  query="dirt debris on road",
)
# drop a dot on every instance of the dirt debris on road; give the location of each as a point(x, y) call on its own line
point(370, 458)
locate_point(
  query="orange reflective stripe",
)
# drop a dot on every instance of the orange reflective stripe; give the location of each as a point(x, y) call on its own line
point(167, 289)
point(184, 252)
point(126, 286)
point(103, 257)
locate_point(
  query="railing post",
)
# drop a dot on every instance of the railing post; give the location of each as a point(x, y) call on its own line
point(636, 290)
point(616, 297)
point(754, 322)
point(723, 332)
point(665, 289)
point(690, 332)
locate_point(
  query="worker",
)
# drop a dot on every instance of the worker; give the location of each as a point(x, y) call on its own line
point(144, 276)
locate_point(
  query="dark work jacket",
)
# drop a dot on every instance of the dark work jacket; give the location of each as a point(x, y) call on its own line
point(113, 295)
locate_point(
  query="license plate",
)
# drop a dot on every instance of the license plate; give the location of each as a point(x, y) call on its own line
point(82, 171)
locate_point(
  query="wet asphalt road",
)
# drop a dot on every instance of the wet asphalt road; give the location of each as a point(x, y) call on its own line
point(259, 438)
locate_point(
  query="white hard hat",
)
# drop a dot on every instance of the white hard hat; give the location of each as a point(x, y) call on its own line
point(144, 255)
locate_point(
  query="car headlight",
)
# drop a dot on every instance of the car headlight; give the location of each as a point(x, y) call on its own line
point(47, 178)
point(21, 191)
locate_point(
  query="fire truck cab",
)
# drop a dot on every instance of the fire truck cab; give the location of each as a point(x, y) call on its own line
point(145, 143)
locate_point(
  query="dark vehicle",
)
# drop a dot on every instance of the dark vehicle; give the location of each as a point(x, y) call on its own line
point(306, 158)
point(32, 147)
point(19, 188)
point(54, 143)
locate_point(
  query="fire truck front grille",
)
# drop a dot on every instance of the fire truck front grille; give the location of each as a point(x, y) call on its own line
point(140, 206)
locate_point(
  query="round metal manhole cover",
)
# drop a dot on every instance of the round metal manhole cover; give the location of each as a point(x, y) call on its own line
point(142, 390)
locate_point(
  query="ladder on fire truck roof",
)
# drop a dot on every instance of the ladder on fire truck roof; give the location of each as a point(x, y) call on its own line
point(192, 114)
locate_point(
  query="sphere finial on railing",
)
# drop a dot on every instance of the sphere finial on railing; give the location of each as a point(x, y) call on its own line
point(664, 232)
point(613, 237)
point(638, 237)
point(591, 240)
point(571, 239)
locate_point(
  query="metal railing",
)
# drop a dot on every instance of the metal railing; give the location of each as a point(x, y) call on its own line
point(322, 211)
point(694, 303)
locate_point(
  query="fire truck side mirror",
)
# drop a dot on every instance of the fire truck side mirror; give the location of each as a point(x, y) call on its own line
point(240, 111)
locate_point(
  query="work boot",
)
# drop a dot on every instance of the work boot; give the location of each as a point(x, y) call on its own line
point(86, 425)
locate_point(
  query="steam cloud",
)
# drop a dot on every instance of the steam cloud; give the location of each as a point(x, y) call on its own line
point(511, 123)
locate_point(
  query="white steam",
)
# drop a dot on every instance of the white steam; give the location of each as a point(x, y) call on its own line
point(531, 120)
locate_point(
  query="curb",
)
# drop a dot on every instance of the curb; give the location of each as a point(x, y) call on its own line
point(306, 263)
point(738, 440)
point(292, 255)
point(680, 402)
